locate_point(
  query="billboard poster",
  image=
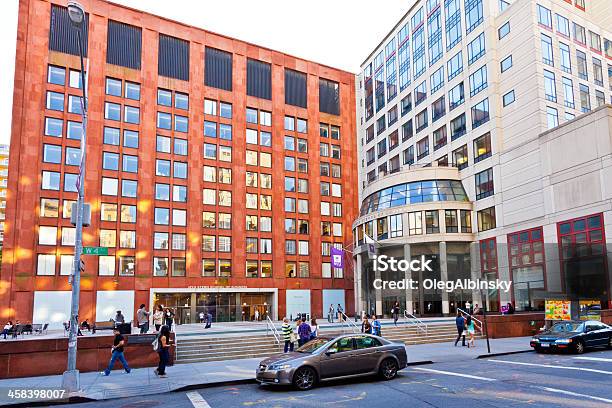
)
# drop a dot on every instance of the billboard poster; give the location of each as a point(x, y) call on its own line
point(590, 309)
point(558, 310)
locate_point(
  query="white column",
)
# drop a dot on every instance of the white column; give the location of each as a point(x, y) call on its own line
point(444, 276)
point(408, 277)
point(476, 273)
point(359, 301)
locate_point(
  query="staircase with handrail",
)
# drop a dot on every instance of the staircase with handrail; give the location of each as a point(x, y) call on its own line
point(270, 327)
point(415, 320)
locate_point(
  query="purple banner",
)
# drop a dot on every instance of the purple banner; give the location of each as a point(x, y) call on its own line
point(337, 258)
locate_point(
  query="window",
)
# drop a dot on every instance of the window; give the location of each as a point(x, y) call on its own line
point(74, 80)
point(52, 154)
point(47, 235)
point(486, 219)
point(209, 267)
point(110, 161)
point(110, 186)
point(55, 101)
point(225, 110)
point(460, 157)
point(162, 216)
point(585, 98)
point(440, 138)
point(128, 213)
point(289, 143)
point(181, 123)
point(453, 23)
point(484, 184)
point(162, 192)
point(56, 75)
point(164, 97)
point(53, 127)
point(480, 113)
point(458, 127)
point(113, 87)
point(49, 207)
point(482, 147)
point(45, 265)
point(132, 91)
point(473, 14)
point(466, 220)
point(73, 156)
point(208, 243)
point(421, 120)
point(106, 265)
point(422, 148)
point(66, 264)
point(526, 259)
point(506, 63)
point(552, 117)
point(579, 34)
point(420, 93)
point(181, 101)
point(582, 65)
point(130, 164)
point(547, 50)
point(456, 96)
point(164, 120)
point(432, 222)
point(600, 98)
point(597, 72)
point(438, 109)
point(451, 221)
point(112, 111)
point(455, 65)
point(568, 93)
point(108, 212)
point(224, 244)
point(111, 136)
point(160, 266)
point(478, 80)
point(180, 170)
point(476, 49)
point(594, 41)
point(108, 238)
point(504, 30)
point(178, 242)
point(566, 64)
point(544, 16)
point(302, 145)
point(550, 87)
point(563, 26)
point(437, 80)
point(392, 115)
point(74, 104)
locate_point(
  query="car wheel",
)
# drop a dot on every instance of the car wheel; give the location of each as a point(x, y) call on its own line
point(304, 378)
point(579, 347)
point(388, 369)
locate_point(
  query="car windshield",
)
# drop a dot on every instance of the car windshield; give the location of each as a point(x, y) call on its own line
point(313, 345)
point(567, 327)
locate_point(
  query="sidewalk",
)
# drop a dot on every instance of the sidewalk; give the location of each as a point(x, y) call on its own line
point(142, 381)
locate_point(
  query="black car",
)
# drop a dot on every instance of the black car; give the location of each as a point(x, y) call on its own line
point(573, 336)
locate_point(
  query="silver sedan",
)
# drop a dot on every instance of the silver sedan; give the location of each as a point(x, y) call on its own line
point(329, 358)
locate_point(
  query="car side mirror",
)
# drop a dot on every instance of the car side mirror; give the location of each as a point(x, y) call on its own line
point(331, 351)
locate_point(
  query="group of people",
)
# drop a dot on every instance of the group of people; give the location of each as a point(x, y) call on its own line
point(301, 333)
point(466, 325)
point(371, 327)
point(338, 311)
point(161, 317)
point(9, 328)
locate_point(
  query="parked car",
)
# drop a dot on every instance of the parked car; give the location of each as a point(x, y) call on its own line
point(574, 336)
point(328, 358)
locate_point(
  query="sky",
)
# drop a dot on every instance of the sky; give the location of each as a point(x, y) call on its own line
point(340, 33)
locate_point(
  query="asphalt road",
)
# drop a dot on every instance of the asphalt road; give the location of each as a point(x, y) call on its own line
point(528, 379)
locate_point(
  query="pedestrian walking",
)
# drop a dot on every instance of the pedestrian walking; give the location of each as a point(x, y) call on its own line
point(395, 312)
point(376, 326)
point(460, 323)
point(314, 328)
point(7, 329)
point(15, 326)
point(163, 350)
point(202, 317)
point(288, 335)
point(117, 353)
point(158, 317)
point(340, 313)
point(168, 318)
point(256, 315)
point(208, 320)
point(330, 314)
point(470, 325)
point(142, 317)
point(304, 332)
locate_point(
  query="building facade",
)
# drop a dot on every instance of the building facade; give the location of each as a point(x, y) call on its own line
point(4, 160)
point(219, 173)
point(454, 106)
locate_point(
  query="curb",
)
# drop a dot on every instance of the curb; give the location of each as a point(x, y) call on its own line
point(45, 403)
point(215, 384)
point(507, 353)
point(418, 363)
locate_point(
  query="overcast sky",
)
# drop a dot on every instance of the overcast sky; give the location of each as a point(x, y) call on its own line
point(338, 33)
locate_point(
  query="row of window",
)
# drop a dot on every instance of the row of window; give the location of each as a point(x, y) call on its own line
point(164, 266)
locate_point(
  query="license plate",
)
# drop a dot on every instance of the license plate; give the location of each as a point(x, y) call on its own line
point(544, 345)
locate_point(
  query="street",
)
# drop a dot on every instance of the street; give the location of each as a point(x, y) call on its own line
point(527, 379)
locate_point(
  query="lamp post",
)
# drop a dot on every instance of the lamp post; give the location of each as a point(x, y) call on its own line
point(70, 378)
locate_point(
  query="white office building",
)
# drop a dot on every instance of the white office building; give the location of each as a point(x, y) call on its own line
point(484, 145)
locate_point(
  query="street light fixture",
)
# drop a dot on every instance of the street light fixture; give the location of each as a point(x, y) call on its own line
point(70, 378)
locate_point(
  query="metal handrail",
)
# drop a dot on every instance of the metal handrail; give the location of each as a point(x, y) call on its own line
point(419, 323)
point(350, 324)
point(472, 316)
point(270, 326)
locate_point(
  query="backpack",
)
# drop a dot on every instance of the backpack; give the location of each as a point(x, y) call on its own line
point(156, 343)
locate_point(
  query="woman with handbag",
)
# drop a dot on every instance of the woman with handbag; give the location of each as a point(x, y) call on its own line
point(163, 350)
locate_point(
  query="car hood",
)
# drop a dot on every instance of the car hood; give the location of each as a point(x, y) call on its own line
point(281, 358)
point(560, 335)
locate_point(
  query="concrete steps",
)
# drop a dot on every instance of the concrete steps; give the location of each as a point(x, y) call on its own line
point(217, 348)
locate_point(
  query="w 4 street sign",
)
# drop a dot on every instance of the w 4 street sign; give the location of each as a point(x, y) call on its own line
point(95, 251)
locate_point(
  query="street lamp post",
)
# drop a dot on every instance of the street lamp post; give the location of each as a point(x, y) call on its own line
point(70, 378)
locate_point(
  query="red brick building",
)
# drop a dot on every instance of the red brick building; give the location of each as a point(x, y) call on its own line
point(219, 172)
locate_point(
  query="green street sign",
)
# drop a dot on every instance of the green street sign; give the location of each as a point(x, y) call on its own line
point(95, 251)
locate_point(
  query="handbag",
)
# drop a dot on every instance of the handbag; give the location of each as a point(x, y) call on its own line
point(293, 337)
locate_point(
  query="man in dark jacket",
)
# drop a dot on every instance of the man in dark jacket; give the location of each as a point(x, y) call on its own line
point(460, 322)
point(304, 332)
